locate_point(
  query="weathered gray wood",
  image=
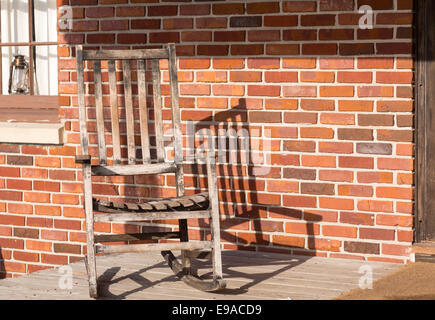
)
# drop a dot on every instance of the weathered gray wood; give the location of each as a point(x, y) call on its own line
point(131, 146)
point(133, 169)
point(136, 54)
point(158, 122)
point(136, 236)
point(156, 215)
point(114, 113)
point(86, 173)
point(214, 223)
point(100, 113)
point(197, 245)
point(143, 112)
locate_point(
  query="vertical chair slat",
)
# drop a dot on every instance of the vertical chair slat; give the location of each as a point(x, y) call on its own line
point(129, 111)
point(158, 122)
point(114, 113)
point(100, 113)
point(81, 101)
point(145, 142)
point(176, 121)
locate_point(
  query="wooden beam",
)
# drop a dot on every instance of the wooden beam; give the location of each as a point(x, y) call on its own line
point(149, 216)
point(193, 245)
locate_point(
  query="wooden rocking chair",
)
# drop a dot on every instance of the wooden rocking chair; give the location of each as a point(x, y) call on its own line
point(204, 205)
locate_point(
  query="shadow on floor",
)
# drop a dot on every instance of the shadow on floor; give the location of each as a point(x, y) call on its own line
point(113, 276)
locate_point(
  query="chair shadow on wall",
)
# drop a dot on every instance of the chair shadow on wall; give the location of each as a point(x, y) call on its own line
point(2, 266)
point(237, 172)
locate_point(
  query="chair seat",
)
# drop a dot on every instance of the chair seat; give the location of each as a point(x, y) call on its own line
point(195, 202)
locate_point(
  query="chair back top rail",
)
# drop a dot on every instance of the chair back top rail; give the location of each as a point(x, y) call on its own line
point(126, 57)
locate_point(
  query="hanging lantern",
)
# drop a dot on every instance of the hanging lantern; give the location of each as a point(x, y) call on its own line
point(18, 75)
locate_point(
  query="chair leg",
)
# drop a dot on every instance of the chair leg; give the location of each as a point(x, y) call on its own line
point(214, 223)
point(90, 257)
point(184, 237)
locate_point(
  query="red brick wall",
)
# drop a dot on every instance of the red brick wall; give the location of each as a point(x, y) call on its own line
point(327, 106)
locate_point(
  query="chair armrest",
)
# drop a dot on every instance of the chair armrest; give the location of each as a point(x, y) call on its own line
point(83, 159)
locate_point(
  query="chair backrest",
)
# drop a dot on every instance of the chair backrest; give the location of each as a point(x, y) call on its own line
point(141, 59)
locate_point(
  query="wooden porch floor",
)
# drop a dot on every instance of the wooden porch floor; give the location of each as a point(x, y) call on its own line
point(249, 275)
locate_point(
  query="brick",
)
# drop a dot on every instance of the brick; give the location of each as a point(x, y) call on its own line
point(394, 106)
point(247, 49)
point(336, 203)
point(395, 135)
point(355, 49)
point(11, 243)
point(245, 21)
point(339, 231)
point(228, 63)
point(300, 117)
point(356, 162)
point(9, 172)
point(10, 266)
point(318, 20)
point(285, 159)
point(302, 228)
point(336, 63)
point(393, 48)
point(376, 234)
point(300, 91)
point(299, 6)
point(34, 173)
point(336, 175)
point(335, 147)
point(20, 160)
point(324, 244)
point(26, 256)
point(19, 184)
point(354, 77)
point(350, 105)
point(354, 134)
point(280, 131)
point(316, 76)
point(319, 49)
point(47, 210)
point(281, 104)
point(135, 24)
point(46, 186)
point(211, 76)
point(317, 132)
point(318, 161)
point(299, 174)
point(38, 245)
point(264, 117)
point(282, 49)
point(299, 63)
point(336, 34)
point(394, 192)
point(376, 120)
point(375, 206)
point(39, 222)
point(26, 233)
point(336, 91)
point(54, 259)
point(11, 195)
point(357, 218)
point(67, 248)
point(394, 220)
point(394, 77)
point(281, 76)
point(317, 105)
point(283, 186)
point(337, 118)
point(361, 247)
point(301, 146)
point(317, 188)
point(395, 164)
point(211, 23)
point(355, 190)
point(12, 220)
point(38, 197)
point(299, 201)
point(374, 148)
point(375, 63)
point(288, 241)
point(165, 10)
point(281, 21)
